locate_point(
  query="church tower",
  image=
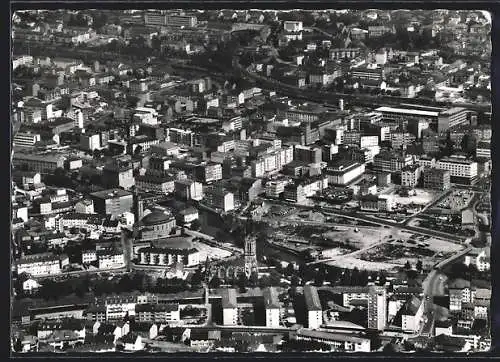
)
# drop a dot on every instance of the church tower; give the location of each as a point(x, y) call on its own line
point(250, 255)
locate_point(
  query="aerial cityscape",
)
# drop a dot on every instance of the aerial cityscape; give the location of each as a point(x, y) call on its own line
point(250, 181)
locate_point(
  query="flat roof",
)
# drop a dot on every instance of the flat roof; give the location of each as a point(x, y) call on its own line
point(330, 336)
point(414, 112)
point(109, 194)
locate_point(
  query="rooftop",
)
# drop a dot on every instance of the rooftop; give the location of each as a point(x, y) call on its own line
point(414, 112)
point(229, 298)
point(110, 194)
point(312, 298)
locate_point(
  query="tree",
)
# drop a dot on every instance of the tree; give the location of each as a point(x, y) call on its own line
point(18, 346)
point(419, 266)
point(195, 225)
point(215, 282)
point(242, 282)
point(254, 279)
point(407, 265)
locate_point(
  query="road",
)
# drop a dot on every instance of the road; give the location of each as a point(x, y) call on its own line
point(437, 200)
point(434, 285)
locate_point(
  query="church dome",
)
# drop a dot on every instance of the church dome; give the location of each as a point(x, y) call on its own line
point(155, 218)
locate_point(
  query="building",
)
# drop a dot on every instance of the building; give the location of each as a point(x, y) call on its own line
point(188, 189)
point(25, 139)
point(459, 291)
point(394, 115)
point(157, 224)
point(365, 73)
point(452, 117)
point(157, 313)
point(462, 170)
point(110, 259)
point(436, 179)
point(410, 175)
point(387, 161)
point(412, 314)
point(155, 182)
point(229, 307)
point(90, 142)
point(308, 154)
point(118, 175)
point(41, 264)
point(376, 31)
point(344, 173)
point(293, 26)
point(313, 307)
point(377, 308)
point(43, 163)
point(218, 198)
point(341, 342)
point(483, 150)
point(112, 202)
point(272, 306)
point(209, 172)
point(173, 252)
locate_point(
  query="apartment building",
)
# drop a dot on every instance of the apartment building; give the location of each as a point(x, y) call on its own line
point(313, 307)
point(462, 170)
point(42, 264)
point(436, 179)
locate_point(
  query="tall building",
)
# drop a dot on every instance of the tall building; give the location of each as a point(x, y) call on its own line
point(377, 308)
point(436, 179)
point(271, 303)
point(229, 307)
point(313, 307)
point(112, 202)
point(250, 253)
point(451, 118)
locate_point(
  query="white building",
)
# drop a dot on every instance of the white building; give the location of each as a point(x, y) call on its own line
point(42, 264)
point(411, 316)
point(229, 307)
point(111, 259)
point(271, 303)
point(313, 307)
point(85, 207)
point(377, 307)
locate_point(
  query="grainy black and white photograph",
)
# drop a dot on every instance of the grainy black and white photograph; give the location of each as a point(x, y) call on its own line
point(192, 180)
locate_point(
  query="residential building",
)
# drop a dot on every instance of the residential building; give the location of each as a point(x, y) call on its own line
point(410, 175)
point(110, 259)
point(112, 202)
point(451, 118)
point(229, 307)
point(412, 314)
point(43, 163)
point(217, 197)
point(436, 179)
point(42, 264)
point(272, 306)
point(344, 173)
point(460, 292)
point(188, 189)
point(157, 313)
point(346, 342)
point(377, 308)
point(313, 307)
point(462, 170)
